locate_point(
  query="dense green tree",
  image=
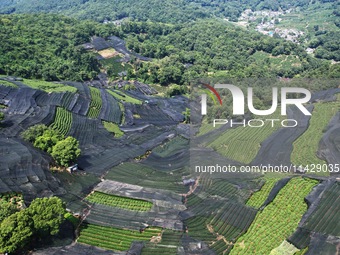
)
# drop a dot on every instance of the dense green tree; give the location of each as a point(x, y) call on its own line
point(32, 133)
point(66, 152)
point(47, 215)
point(6, 209)
point(15, 232)
point(47, 140)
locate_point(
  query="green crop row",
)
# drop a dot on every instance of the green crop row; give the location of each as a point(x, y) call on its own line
point(259, 197)
point(62, 121)
point(113, 238)
point(121, 202)
point(96, 103)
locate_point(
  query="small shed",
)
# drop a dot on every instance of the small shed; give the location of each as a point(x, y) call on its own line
point(72, 169)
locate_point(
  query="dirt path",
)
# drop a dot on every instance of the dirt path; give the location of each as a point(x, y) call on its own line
point(192, 188)
point(219, 237)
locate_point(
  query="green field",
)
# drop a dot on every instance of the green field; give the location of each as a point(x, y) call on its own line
point(7, 84)
point(96, 103)
point(243, 143)
point(123, 97)
point(277, 221)
point(306, 146)
point(113, 128)
point(259, 197)
point(113, 67)
point(113, 238)
point(62, 121)
point(49, 86)
point(121, 202)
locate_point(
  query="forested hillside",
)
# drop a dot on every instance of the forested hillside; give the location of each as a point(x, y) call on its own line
point(216, 48)
point(47, 47)
point(155, 10)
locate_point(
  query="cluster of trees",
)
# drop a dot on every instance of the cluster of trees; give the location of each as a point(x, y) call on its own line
point(327, 44)
point(48, 47)
point(192, 50)
point(174, 11)
point(20, 227)
point(64, 151)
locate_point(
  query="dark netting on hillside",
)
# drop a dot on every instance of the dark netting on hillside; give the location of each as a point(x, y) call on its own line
point(44, 98)
point(24, 169)
point(313, 199)
point(143, 135)
point(172, 146)
point(110, 110)
point(122, 189)
point(138, 174)
point(321, 244)
point(277, 148)
point(193, 246)
point(176, 161)
point(76, 249)
point(325, 95)
point(22, 101)
point(99, 43)
point(15, 124)
point(152, 114)
point(329, 147)
point(84, 129)
point(300, 238)
point(5, 91)
point(68, 100)
point(83, 100)
point(325, 217)
point(97, 160)
point(164, 212)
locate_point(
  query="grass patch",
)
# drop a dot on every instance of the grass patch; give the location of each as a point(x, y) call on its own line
point(114, 238)
point(113, 128)
point(49, 86)
point(121, 202)
point(123, 97)
point(7, 84)
point(277, 221)
point(96, 103)
point(108, 53)
point(74, 220)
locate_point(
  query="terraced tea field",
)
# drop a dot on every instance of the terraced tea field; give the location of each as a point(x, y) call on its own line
point(96, 103)
point(259, 197)
point(277, 221)
point(121, 202)
point(62, 121)
point(113, 238)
